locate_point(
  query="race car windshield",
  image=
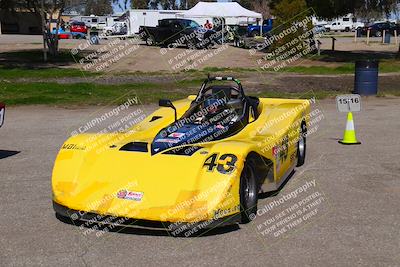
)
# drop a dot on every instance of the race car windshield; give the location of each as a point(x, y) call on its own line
point(217, 106)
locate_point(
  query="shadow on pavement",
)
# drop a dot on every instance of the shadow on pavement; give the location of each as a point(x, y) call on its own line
point(8, 153)
point(94, 228)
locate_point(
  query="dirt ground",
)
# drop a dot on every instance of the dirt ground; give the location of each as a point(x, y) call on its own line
point(355, 223)
point(150, 59)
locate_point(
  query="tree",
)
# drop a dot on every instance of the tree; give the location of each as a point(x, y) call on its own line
point(48, 11)
point(337, 8)
point(139, 4)
point(122, 4)
point(289, 13)
point(261, 6)
point(168, 4)
point(98, 7)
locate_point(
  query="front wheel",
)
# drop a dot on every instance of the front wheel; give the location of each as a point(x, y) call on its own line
point(378, 34)
point(248, 193)
point(254, 34)
point(301, 146)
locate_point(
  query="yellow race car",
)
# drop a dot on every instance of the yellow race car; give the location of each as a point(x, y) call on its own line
point(200, 161)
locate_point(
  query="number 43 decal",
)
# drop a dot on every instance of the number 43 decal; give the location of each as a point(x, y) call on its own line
point(225, 164)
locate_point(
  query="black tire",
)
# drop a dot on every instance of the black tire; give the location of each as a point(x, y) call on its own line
point(150, 41)
point(191, 44)
point(301, 146)
point(378, 34)
point(347, 29)
point(248, 192)
point(254, 34)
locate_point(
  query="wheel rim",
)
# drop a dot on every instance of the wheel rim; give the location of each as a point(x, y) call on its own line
point(301, 145)
point(250, 193)
point(150, 41)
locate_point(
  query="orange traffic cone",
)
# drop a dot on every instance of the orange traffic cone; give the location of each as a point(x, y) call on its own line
point(349, 137)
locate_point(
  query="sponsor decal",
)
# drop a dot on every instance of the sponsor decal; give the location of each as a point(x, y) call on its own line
point(130, 195)
point(176, 135)
point(219, 213)
point(275, 152)
point(73, 147)
point(171, 141)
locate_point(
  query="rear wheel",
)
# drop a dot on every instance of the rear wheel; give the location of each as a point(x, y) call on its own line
point(378, 34)
point(150, 41)
point(301, 146)
point(191, 44)
point(248, 192)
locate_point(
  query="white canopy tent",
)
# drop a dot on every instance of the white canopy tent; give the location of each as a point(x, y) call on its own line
point(221, 10)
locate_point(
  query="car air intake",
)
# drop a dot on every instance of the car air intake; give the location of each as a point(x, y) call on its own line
point(135, 147)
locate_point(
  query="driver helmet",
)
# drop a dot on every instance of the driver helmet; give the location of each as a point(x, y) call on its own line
point(213, 106)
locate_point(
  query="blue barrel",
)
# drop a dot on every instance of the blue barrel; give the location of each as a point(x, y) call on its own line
point(387, 37)
point(366, 77)
point(94, 38)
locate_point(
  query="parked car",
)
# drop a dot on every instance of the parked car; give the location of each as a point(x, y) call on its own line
point(178, 31)
point(68, 35)
point(377, 29)
point(118, 28)
point(254, 30)
point(2, 113)
point(319, 29)
point(77, 26)
point(339, 26)
point(62, 34)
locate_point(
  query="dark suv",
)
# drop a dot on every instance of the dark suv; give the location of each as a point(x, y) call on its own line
point(179, 32)
point(377, 29)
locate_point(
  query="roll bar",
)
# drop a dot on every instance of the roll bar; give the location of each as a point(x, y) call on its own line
point(220, 78)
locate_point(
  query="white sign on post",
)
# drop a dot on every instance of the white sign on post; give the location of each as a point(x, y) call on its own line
point(348, 103)
point(2, 109)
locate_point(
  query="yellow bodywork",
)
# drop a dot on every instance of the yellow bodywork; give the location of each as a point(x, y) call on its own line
point(90, 170)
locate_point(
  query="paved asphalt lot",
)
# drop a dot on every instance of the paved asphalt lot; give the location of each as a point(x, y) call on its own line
point(357, 222)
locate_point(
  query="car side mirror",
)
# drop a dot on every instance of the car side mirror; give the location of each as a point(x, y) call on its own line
point(166, 103)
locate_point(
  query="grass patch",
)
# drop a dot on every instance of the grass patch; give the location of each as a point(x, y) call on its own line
point(85, 93)
point(93, 94)
point(320, 70)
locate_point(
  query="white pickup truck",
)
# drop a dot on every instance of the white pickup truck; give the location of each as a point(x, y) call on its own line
point(345, 24)
point(339, 26)
point(2, 112)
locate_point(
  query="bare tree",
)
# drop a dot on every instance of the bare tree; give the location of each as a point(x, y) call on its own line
point(98, 7)
point(122, 4)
